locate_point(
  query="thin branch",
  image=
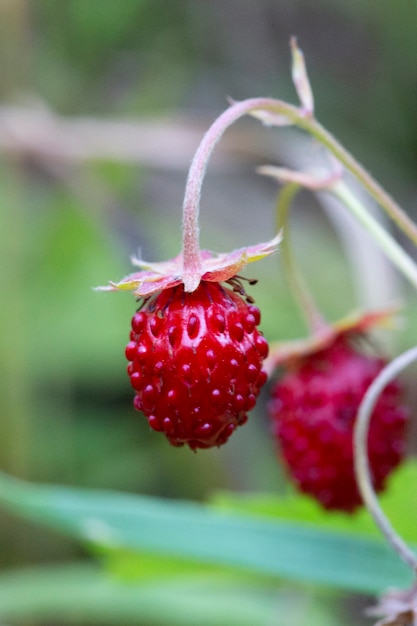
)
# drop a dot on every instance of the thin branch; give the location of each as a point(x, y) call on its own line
point(362, 469)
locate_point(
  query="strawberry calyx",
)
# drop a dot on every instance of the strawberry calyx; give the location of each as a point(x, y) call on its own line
point(155, 277)
point(355, 323)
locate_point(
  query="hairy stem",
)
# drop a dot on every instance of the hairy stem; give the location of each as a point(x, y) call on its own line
point(191, 246)
point(274, 112)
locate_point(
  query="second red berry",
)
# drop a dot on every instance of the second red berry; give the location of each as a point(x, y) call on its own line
point(313, 411)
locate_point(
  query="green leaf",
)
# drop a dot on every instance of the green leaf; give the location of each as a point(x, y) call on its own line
point(399, 503)
point(79, 593)
point(193, 531)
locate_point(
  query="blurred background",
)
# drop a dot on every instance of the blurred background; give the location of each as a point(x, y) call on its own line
point(102, 104)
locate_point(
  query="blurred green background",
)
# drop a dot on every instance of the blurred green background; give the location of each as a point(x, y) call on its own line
point(102, 106)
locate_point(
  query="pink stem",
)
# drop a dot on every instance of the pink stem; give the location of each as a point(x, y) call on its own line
point(192, 265)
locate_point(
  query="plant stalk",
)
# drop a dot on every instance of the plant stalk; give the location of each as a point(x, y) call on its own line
point(298, 286)
point(190, 242)
point(390, 247)
point(361, 461)
point(276, 112)
point(390, 206)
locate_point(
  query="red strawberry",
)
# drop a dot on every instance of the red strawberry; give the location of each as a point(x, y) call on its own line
point(195, 352)
point(196, 363)
point(313, 410)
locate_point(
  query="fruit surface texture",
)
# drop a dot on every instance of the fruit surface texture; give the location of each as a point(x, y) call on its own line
point(313, 410)
point(195, 363)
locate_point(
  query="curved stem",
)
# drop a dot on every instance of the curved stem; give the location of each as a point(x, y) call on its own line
point(362, 468)
point(275, 112)
point(298, 286)
point(190, 242)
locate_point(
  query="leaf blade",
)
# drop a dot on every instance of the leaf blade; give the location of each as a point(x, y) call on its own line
point(193, 531)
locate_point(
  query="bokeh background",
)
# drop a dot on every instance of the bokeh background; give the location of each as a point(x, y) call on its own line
point(102, 104)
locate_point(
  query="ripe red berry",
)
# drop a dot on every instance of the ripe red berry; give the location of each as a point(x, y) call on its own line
point(196, 363)
point(313, 410)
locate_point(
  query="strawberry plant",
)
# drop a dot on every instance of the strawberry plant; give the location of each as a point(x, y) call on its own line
point(198, 363)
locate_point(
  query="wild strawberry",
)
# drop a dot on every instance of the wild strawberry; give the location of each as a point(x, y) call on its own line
point(195, 355)
point(313, 410)
point(196, 363)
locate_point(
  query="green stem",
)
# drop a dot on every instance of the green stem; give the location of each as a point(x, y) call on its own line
point(362, 469)
point(309, 124)
point(298, 286)
point(391, 248)
point(277, 112)
point(391, 207)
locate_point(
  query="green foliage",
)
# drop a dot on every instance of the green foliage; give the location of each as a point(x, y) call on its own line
point(286, 549)
point(84, 594)
point(399, 502)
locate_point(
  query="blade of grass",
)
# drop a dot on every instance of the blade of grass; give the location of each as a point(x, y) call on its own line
point(81, 594)
point(192, 531)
